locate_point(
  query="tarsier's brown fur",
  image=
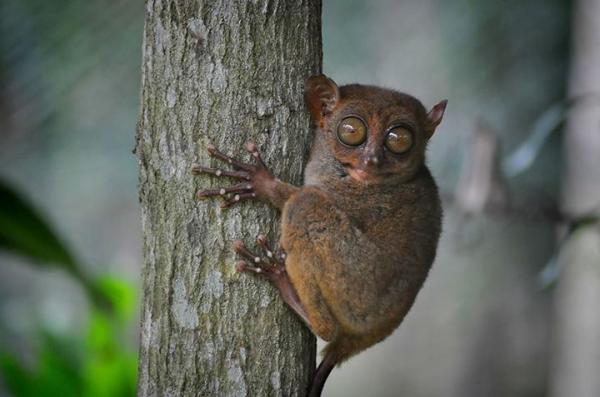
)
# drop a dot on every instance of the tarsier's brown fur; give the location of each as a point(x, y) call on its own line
point(361, 234)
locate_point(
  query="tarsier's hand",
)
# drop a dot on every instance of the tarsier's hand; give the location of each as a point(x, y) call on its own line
point(254, 177)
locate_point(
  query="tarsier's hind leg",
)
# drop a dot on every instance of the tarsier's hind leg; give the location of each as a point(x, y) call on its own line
point(320, 320)
point(322, 243)
point(273, 269)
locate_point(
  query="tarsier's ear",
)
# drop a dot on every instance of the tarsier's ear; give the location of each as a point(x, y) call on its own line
point(434, 117)
point(321, 95)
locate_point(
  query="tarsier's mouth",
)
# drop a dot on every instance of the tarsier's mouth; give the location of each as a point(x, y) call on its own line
point(366, 176)
point(359, 175)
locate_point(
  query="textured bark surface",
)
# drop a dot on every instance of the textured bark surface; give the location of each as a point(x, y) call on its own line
point(223, 72)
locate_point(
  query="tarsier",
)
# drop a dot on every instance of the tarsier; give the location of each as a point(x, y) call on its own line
point(358, 239)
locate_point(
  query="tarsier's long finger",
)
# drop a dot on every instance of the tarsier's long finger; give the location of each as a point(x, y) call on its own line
point(236, 198)
point(261, 240)
point(198, 169)
point(240, 248)
point(214, 152)
point(251, 147)
point(239, 188)
point(243, 266)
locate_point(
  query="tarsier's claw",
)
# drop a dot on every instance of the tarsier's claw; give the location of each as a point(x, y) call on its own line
point(251, 147)
point(238, 245)
point(240, 266)
point(240, 248)
point(195, 169)
point(261, 239)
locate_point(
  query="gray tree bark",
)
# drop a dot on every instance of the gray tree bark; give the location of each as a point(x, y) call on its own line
point(222, 72)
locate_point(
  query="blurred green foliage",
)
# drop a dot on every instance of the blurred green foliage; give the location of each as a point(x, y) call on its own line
point(99, 363)
point(23, 231)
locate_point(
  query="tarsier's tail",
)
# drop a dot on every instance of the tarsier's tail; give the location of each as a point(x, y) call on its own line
point(320, 377)
point(337, 351)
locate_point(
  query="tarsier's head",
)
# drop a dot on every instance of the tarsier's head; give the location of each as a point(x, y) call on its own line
point(374, 133)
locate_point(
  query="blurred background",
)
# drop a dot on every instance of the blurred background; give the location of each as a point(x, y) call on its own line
point(510, 305)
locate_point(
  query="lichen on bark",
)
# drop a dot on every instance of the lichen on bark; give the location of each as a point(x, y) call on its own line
point(224, 72)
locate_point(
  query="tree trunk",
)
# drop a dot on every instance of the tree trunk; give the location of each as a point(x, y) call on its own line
point(222, 72)
point(577, 331)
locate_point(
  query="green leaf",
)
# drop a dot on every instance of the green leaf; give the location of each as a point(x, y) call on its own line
point(16, 378)
point(111, 375)
point(59, 373)
point(120, 294)
point(59, 353)
point(101, 335)
point(110, 368)
point(24, 231)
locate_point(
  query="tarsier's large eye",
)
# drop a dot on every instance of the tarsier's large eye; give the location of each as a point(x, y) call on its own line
point(352, 131)
point(399, 140)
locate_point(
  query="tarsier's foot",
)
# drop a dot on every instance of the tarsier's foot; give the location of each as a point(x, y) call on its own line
point(272, 267)
point(252, 176)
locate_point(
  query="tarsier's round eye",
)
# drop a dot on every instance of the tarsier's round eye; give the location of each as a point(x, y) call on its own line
point(352, 131)
point(399, 140)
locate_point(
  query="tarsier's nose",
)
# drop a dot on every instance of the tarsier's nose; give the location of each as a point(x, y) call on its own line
point(371, 160)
